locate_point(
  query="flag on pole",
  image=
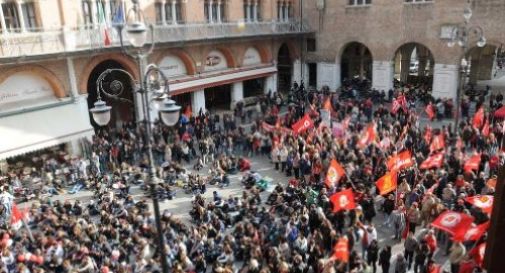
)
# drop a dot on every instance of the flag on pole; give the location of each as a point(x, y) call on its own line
point(453, 222)
point(334, 174)
point(387, 183)
point(486, 130)
point(484, 202)
point(472, 164)
point(368, 136)
point(478, 118)
point(343, 200)
point(434, 161)
point(341, 249)
point(17, 217)
point(303, 124)
point(400, 161)
point(103, 25)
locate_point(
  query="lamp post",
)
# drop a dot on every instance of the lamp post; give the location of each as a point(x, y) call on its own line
point(461, 35)
point(152, 81)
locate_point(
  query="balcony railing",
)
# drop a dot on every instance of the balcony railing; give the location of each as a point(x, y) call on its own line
point(92, 38)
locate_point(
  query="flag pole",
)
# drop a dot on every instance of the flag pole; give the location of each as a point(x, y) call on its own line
point(30, 235)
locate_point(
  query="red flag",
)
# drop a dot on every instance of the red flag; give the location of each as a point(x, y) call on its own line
point(302, 124)
point(434, 161)
point(107, 41)
point(368, 136)
point(341, 249)
point(453, 222)
point(485, 129)
point(401, 101)
point(437, 143)
point(466, 267)
point(478, 253)
point(427, 135)
point(478, 118)
point(473, 234)
point(484, 202)
point(387, 183)
point(400, 161)
point(343, 200)
point(472, 164)
point(17, 216)
point(436, 268)
point(334, 174)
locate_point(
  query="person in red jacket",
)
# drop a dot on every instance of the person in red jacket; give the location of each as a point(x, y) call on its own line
point(244, 164)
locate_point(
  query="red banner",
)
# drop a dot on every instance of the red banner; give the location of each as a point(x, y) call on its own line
point(334, 174)
point(453, 222)
point(343, 200)
point(432, 162)
point(427, 135)
point(473, 234)
point(387, 183)
point(398, 103)
point(484, 202)
point(472, 164)
point(303, 124)
point(342, 249)
point(400, 161)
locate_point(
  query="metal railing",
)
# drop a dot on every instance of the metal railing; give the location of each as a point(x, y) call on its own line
point(92, 38)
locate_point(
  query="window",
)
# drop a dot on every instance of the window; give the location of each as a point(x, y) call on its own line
point(418, 1)
point(11, 16)
point(359, 2)
point(251, 11)
point(311, 45)
point(178, 12)
point(29, 16)
point(159, 13)
point(87, 14)
point(214, 11)
point(169, 19)
point(284, 11)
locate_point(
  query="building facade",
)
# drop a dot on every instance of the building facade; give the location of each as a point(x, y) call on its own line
point(404, 40)
point(214, 53)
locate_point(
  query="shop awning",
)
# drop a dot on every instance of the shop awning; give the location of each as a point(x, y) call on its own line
point(31, 131)
point(216, 79)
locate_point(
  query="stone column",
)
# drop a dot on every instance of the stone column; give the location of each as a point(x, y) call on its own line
point(219, 11)
point(286, 12)
point(174, 12)
point(198, 101)
point(249, 11)
point(94, 16)
point(2, 19)
point(72, 78)
point(210, 12)
point(445, 81)
point(422, 56)
point(328, 74)
point(406, 53)
point(255, 11)
point(237, 93)
point(382, 75)
point(21, 15)
point(270, 84)
point(246, 11)
point(163, 12)
point(281, 13)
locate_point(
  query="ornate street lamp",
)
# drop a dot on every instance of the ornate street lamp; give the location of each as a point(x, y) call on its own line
point(461, 35)
point(153, 82)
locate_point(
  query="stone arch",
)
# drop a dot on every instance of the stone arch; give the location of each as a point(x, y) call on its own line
point(355, 59)
point(420, 71)
point(345, 45)
point(49, 76)
point(265, 54)
point(188, 61)
point(228, 54)
point(294, 51)
point(126, 62)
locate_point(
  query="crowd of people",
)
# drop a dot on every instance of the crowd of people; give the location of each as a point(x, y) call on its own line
point(296, 228)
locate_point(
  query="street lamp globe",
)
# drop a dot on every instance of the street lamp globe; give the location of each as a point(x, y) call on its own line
point(137, 33)
point(158, 100)
point(101, 113)
point(169, 112)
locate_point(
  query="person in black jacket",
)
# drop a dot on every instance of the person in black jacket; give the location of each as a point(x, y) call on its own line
point(373, 255)
point(385, 258)
point(388, 206)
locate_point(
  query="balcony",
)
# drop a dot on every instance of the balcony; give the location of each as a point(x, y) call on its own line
point(91, 38)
